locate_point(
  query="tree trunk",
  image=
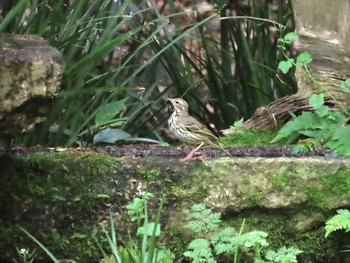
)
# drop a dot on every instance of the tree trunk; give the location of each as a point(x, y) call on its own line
point(323, 30)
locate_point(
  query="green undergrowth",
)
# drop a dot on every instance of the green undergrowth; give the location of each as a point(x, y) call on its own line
point(324, 128)
point(231, 244)
point(250, 137)
point(340, 221)
point(116, 247)
point(78, 189)
point(70, 187)
point(280, 227)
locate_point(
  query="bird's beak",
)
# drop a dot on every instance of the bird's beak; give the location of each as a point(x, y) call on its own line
point(171, 100)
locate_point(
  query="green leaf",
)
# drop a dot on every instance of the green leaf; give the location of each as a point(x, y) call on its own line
point(289, 37)
point(203, 219)
point(285, 66)
point(100, 51)
point(227, 242)
point(347, 82)
point(339, 221)
point(109, 135)
point(136, 206)
point(238, 123)
point(300, 148)
point(117, 122)
point(199, 251)
point(15, 11)
point(322, 111)
point(105, 113)
point(283, 255)
point(304, 58)
point(316, 100)
point(302, 122)
point(345, 86)
point(147, 229)
point(340, 141)
point(199, 243)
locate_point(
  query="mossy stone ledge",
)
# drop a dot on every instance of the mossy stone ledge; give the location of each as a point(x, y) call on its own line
point(63, 198)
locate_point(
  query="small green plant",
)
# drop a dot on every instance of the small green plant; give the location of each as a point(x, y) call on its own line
point(48, 252)
point(338, 222)
point(237, 124)
point(203, 219)
point(325, 128)
point(106, 123)
point(136, 208)
point(144, 251)
point(284, 255)
point(301, 60)
point(25, 255)
point(237, 246)
point(345, 86)
point(106, 127)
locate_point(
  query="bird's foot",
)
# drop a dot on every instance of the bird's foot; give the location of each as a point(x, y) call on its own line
point(190, 156)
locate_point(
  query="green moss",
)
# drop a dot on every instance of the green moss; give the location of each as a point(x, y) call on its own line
point(191, 196)
point(317, 196)
point(256, 198)
point(339, 183)
point(67, 177)
point(279, 181)
point(329, 186)
point(248, 138)
point(246, 181)
point(150, 175)
point(64, 162)
point(320, 190)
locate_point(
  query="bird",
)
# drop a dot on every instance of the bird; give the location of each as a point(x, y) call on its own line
point(188, 129)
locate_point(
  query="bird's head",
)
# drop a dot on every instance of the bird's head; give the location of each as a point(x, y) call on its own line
point(180, 105)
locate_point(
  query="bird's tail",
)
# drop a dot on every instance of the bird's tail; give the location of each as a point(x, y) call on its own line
point(220, 147)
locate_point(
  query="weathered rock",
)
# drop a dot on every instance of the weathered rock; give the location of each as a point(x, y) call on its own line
point(324, 32)
point(30, 72)
point(71, 194)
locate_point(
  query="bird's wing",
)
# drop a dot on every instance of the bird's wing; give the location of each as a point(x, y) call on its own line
point(193, 125)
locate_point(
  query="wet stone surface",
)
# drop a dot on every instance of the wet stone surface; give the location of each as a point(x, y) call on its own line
point(149, 150)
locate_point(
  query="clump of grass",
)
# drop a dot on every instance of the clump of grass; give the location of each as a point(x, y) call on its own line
point(249, 137)
point(112, 47)
point(141, 247)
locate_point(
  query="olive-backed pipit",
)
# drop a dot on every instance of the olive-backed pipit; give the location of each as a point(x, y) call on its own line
point(188, 129)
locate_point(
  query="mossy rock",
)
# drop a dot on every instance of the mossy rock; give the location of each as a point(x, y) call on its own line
point(64, 198)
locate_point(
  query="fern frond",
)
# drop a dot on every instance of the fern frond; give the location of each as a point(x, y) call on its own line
point(339, 221)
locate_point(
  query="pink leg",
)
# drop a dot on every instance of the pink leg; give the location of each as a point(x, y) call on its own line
point(190, 155)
